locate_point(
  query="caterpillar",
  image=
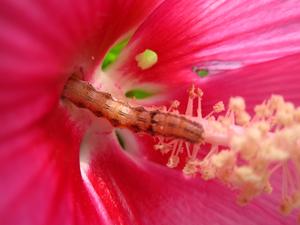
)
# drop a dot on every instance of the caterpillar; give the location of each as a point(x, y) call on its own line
point(138, 119)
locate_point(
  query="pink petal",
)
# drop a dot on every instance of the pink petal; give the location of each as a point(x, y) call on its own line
point(41, 182)
point(41, 44)
point(40, 177)
point(151, 194)
point(215, 35)
point(59, 37)
point(255, 83)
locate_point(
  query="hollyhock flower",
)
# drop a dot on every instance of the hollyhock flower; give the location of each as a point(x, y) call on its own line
point(62, 165)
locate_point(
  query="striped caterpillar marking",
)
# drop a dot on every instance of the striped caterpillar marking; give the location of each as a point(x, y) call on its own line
point(138, 119)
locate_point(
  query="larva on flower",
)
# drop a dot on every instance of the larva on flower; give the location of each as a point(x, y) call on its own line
point(138, 119)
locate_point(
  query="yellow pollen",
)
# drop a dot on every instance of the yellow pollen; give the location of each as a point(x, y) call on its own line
point(223, 159)
point(219, 107)
point(192, 92)
point(173, 161)
point(276, 101)
point(191, 167)
point(237, 104)
point(242, 118)
point(262, 111)
point(262, 126)
point(246, 174)
point(146, 59)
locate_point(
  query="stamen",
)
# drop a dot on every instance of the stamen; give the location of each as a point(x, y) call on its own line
point(190, 104)
point(246, 150)
point(199, 109)
point(217, 108)
point(174, 106)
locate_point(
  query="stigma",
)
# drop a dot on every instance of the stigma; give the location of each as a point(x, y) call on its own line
point(146, 59)
point(245, 150)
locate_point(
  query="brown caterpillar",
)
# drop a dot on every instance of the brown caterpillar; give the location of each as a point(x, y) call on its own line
point(138, 119)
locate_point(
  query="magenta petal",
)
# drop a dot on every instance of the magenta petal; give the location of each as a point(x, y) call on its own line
point(42, 39)
point(151, 194)
point(40, 176)
point(209, 34)
point(255, 83)
point(41, 44)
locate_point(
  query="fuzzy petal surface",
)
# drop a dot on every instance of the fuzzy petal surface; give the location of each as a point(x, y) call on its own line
point(213, 35)
point(41, 44)
point(255, 83)
point(203, 202)
point(153, 194)
point(42, 181)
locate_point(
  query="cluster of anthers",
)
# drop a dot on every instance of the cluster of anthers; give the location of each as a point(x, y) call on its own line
point(245, 150)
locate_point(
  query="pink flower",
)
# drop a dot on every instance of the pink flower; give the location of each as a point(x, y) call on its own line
point(58, 167)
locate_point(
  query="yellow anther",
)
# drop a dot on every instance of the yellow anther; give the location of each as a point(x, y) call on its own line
point(173, 161)
point(276, 101)
point(237, 104)
point(219, 107)
point(208, 172)
point(199, 92)
point(146, 59)
point(245, 174)
point(262, 126)
point(242, 118)
point(191, 167)
point(272, 154)
point(253, 134)
point(268, 188)
point(262, 111)
point(223, 159)
point(289, 107)
point(252, 139)
point(192, 93)
point(159, 147)
point(237, 142)
point(175, 104)
point(284, 118)
point(248, 153)
point(225, 121)
point(163, 148)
